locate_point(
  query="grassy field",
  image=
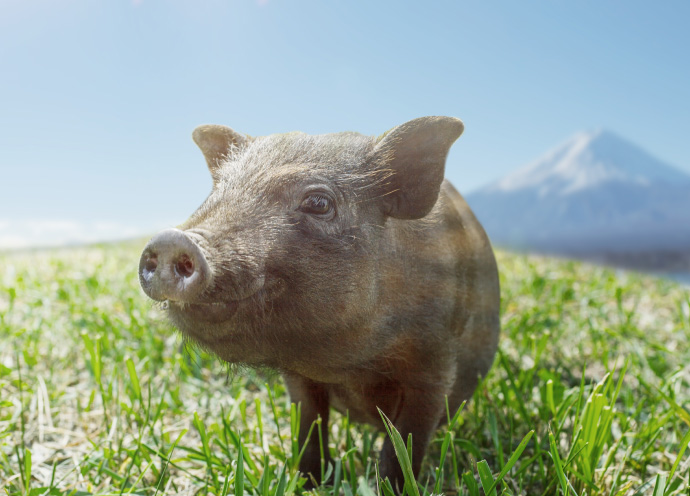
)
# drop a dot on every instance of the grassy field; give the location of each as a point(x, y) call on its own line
point(98, 395)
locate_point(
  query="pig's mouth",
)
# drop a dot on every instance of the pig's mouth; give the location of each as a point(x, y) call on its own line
point(222, 311)
point(211, 313)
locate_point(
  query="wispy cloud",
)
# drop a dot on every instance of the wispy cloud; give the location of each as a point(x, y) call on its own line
point(63, 232)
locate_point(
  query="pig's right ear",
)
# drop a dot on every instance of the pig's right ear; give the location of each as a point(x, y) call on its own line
point(216, 142)
point(414, 154)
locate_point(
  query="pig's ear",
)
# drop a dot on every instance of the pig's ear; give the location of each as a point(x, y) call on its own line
point(216, 142)
point(415, 155)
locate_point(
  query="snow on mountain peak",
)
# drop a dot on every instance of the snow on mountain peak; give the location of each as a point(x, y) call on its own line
point(590, 159)
point(595, 194)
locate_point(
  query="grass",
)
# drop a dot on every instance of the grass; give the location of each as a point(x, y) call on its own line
point(588, 395)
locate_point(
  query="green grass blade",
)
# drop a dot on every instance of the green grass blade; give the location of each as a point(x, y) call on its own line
point(402, 454)
point(133, 377)
point(239, 472)
point(486, 478)
point(660, 485)
point(271, 401)
point(447, 441)
point(27, 470)
point(338, 475)
point(292, 485)
point(280, 487)
point(471, 483)
point(553, 450)
point(511, 461)
point(682, 412)
point(683, 446)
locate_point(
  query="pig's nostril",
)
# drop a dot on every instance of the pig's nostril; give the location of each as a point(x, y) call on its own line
point(184, 266)
point(151, 263)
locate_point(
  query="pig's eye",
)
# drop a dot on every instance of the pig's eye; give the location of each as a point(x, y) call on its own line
point(317, 204)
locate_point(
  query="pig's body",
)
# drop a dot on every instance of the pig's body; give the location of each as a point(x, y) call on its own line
point(345, 262)
point(436, 337)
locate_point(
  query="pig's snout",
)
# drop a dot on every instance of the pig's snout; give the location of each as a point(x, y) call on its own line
point(172, 267)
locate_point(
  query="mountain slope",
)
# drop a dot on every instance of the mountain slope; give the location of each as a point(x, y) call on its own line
point(595, 194)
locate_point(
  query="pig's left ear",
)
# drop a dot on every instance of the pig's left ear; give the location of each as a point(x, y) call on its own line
point(415, 155)
point(216, 142)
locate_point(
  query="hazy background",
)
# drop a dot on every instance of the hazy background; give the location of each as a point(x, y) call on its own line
point(98, 99)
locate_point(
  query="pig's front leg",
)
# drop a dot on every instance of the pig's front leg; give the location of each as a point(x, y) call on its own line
point(313, 398)
point(419, 415)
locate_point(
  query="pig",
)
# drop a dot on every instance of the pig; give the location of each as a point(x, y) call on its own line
point(345, 262)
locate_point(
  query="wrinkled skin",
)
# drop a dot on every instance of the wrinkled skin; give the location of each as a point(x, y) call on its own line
point(347, 263)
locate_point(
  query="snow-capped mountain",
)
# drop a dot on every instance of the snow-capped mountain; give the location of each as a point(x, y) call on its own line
point(595, 194)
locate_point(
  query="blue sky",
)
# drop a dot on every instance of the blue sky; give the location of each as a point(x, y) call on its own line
point(98, 99)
